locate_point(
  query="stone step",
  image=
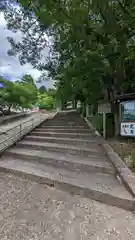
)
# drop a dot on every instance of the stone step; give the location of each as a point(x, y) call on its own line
point(63, 118)
point(100, 187)
point(63, 126)
point(63, 135)
point(57, 160)
point(76, 142)
point(66, 123)
point(55, 147)
point(63, 130)
point(69, 117)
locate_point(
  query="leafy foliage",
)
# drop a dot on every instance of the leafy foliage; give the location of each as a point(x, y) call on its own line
point(42, 89)
point(46, 101)
point(91, 48)
point(19, 93)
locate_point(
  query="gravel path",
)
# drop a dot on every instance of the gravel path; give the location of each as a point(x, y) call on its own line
point(31, 211)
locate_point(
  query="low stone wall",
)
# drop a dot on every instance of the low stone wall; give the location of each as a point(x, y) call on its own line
point(10, 118)
point(15, 133)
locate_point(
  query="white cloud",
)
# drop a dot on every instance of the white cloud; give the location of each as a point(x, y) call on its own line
point(10, 66)
point(2, 20)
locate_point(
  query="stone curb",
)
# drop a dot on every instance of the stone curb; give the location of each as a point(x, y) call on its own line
point(123, 172)
point(92, 127)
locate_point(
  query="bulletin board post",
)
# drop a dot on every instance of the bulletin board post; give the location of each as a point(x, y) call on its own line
point(104, 108)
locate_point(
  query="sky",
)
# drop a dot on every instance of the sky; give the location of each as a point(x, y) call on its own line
point(10, 67)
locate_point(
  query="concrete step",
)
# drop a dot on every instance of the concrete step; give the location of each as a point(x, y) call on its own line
point(67, 118)
point(63, 126)
point(63, 130)
point(57, 160)
point(100, 187)
point(66, 123)
point(76, 142)
point(60, 123)
point(63, 135)
point(55, 147)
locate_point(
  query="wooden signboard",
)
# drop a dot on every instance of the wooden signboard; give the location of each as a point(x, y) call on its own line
point(104, 108)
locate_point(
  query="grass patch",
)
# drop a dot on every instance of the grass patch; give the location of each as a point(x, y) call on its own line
point(97, 122)
point(126, 150)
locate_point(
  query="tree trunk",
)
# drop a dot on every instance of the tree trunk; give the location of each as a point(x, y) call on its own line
point(1, 109)
point(74, 103)
point(9, 109)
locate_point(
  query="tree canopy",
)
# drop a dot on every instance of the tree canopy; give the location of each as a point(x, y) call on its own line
point(19, 93)
point(42, 89)
point(45, 101)
point(25, 94)
point(92, 44)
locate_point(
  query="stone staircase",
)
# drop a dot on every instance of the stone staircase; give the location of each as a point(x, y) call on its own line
point(64, 152)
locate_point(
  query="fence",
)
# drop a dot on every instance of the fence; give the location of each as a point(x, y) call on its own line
point(15, 133)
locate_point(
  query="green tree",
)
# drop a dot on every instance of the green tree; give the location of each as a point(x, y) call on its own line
point(17, 93)
point(45, 101)
point(42, 89)
point(92, 44)
point(28, 79)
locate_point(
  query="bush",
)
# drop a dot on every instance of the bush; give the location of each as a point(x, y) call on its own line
point(45, 106)
point(45, 101)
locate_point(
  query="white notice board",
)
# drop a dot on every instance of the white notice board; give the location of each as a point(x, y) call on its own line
point(127, 129)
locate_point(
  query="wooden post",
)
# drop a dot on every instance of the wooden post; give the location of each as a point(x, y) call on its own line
point(87, 110)
point(104, 125)
point(120, 117)
point(59, 106)
point(117, 120)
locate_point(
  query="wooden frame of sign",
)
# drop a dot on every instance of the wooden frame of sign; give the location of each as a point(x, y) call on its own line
point(104, 108)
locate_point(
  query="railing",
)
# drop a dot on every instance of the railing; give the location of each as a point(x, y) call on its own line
point(15, 133)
